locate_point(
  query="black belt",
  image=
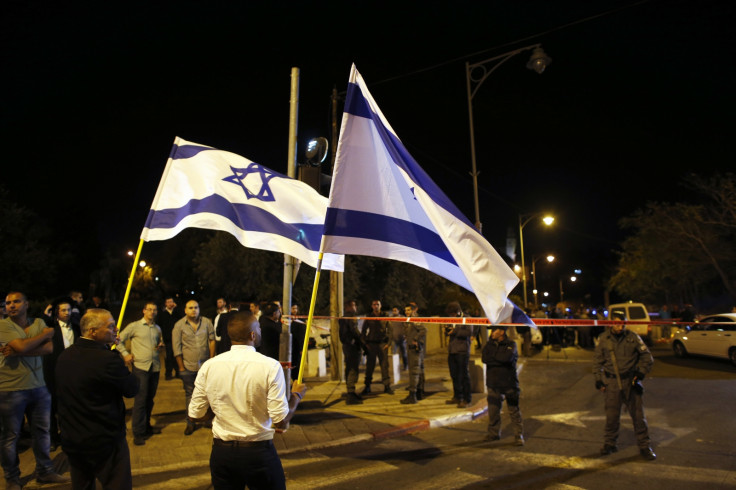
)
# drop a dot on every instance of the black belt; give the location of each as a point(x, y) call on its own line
point(613, 375)
point(220, 442)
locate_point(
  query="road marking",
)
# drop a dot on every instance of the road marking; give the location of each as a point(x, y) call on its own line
point(656, 418)
point(450, 479)
point(338, 474)
point(653, 470)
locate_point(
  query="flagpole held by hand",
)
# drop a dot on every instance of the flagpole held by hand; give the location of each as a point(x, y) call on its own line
point(130, 284)
point(312, 302)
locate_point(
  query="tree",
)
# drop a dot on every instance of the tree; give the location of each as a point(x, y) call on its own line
point(682, 249)
point(27, 262)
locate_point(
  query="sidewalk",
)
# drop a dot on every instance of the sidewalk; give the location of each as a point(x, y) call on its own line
point(322, 419)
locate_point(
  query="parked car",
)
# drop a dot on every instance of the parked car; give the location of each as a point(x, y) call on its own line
point(637, 312)
point(713, 335)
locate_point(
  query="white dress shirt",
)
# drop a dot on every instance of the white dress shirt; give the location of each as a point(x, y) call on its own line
point(67, 334)
point(246, 391)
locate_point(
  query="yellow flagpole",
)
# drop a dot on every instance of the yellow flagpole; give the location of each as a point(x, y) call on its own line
point(130, 284)
point(309, 319)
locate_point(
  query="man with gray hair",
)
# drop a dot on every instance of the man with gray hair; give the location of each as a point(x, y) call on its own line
point(92, 381)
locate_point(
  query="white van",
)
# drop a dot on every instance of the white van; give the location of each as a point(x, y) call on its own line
point(637, 312)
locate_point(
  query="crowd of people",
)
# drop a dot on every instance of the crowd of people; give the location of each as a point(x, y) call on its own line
point(61, 371)
point(66, 373)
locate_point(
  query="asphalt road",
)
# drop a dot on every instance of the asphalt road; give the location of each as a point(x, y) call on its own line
point(689, 404)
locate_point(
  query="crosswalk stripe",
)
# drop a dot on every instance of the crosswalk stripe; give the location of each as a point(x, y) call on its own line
point(339, 475)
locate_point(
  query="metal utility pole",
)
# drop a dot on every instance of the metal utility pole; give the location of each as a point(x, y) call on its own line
point(336, 297)
point(285, 340)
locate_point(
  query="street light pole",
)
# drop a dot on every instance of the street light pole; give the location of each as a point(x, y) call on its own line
point(538, 62)
point(548, 220)
point(550, 258)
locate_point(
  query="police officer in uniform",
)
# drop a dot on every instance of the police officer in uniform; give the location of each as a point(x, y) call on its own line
point(416, 341)
point(352, 351)
point(620, 362)
point(375, 338)
point(500, 356)
point(458, 357)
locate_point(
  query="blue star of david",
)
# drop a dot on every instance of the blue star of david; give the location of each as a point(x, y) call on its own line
point(239, 174)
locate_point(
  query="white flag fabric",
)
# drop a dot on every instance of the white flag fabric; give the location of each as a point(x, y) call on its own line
point(203, 187)
point(383, 204)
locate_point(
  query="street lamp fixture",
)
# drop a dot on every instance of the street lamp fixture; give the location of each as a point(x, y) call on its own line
point(475, 75)
point(539, 60)
point(524, 219)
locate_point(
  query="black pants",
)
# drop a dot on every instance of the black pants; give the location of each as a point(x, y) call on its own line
point(112, 471)
point(172, 368)
point(255, 466)
point(378, 351)
point(352, 365)
point(460, 375)
point(143, 405)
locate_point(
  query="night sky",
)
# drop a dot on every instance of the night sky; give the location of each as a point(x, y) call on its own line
point(638, 96)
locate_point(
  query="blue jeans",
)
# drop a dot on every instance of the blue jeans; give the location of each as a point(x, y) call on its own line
point(143, 405)
point(187, 379)
point(13, 405)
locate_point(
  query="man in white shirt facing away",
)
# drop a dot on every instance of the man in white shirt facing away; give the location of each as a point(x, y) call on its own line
point(246, 393)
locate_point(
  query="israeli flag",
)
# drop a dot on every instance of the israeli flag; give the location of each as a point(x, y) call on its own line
point(203, 187)
point(383, 204)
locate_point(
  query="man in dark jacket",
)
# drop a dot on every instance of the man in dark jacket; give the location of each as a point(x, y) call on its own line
point(352, 347)
point(66, 334)
point(91, 381)
point(168, 317)
point(620, 362)
point(270, 331)
point(458, 358)
point(499, 356)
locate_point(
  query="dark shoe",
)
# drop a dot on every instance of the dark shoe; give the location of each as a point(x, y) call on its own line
point(462, 404)
point(53, 478)
point(153, 430)
point(519, 441)
point(491, 437)
point(168, 377)
point(353, 399)
point(411, 399)
point(608, 449)
point(388, 390)
point(421, 395)
point(648, 454)
point(452, 401)
point(13, 484)
point(366, 390)
point(189, 430)
point(139, 440)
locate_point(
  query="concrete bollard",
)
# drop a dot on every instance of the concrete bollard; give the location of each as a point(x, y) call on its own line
point(477, 376)
point(316, 363)
point(395, 365)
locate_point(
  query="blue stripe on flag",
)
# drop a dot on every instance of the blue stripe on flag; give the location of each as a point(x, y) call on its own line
point(187, 151)
point(358, 106)
point(518, 316)
point(244, 216)
point(382, 228)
